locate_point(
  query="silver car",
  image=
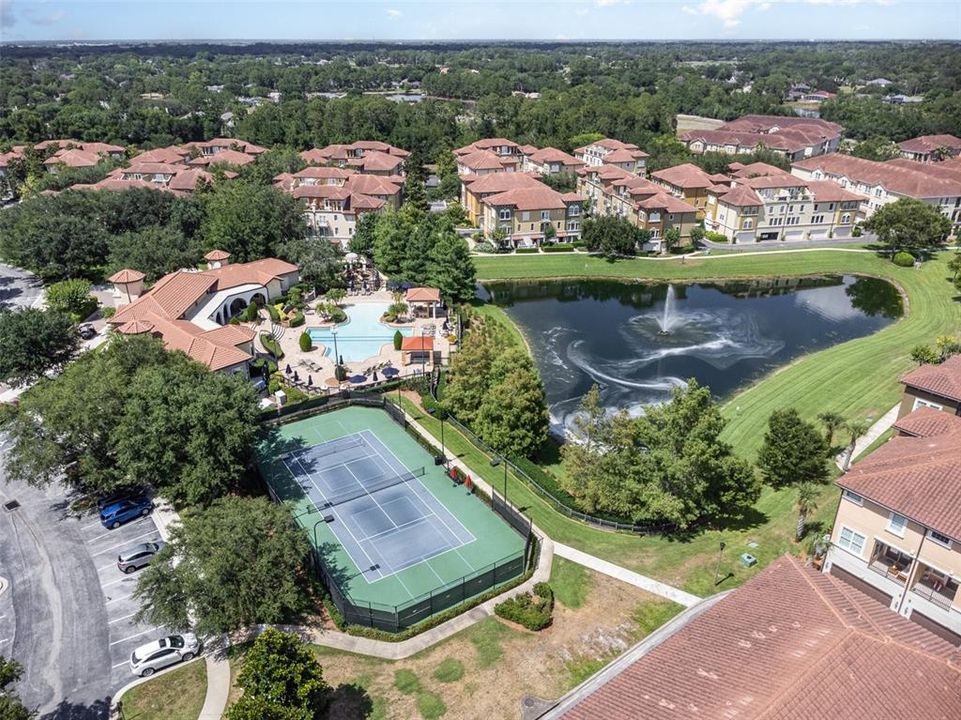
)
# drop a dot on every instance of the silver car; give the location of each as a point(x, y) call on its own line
point(148, 659)
point(138, 556)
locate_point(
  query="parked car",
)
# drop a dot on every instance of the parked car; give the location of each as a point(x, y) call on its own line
point(115, 513)
point(148, 659)
point(87, 331)
point(138, 556)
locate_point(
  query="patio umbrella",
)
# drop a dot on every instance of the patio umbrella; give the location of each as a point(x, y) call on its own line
point(287, 370)
point(375, 376)
point(351, 257)
point(296, 376)
point(310, 381)
point(391, 372)
point(358, 379)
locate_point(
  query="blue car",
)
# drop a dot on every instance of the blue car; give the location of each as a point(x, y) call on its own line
point(115, 513)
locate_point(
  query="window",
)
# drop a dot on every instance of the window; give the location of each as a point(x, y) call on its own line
point(846, 218)
point(897, 523)
point(853, 497)
point(851, 541)
point(938, 538)
point(505, 215)
point(525, 216)
point(574, 210)
point(918, 402)
point(545, 214)
point(748, 224)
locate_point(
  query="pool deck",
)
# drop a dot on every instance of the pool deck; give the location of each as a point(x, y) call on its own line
point(298, 360)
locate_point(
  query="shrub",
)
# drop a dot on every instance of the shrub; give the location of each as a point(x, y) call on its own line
point(526, 251)
point(294, 395)
point(273, 386)
point(398, 340)
point(73, 298)
point(306, 342)
point(533, 611)
point(340, 372)
point(396, 311)
point(560, 247)
point(273, 312)
point(485, 247)
point(903, 259)
point(271, 346)
point(250, 313)
point(857, 231)
point(579, 244)
point(107, 312)
point(297, 320)
point(716, 237)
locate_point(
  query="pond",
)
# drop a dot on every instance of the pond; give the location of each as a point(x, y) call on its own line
point(638, 341)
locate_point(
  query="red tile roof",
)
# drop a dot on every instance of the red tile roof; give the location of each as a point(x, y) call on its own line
point(790, 644)
point(930, 143)
point(900, 180)
point(498, 182)
point(529, 198)
point(918, 477)
point(423, 294)
point(926, 421)
point(481, 160)
point(553, 155)
point(943, 380)
point(169, 155)
point(741, 196)
point(827, 191)
point(126, 276)
point(684, 176)
point(74, 158)
point(668, 203)
point(224, 157)
point(217, 255)
point(417, 342)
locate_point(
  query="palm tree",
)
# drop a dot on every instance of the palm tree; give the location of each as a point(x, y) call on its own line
point(832, 423)
point(856, 429)
point(807, 502)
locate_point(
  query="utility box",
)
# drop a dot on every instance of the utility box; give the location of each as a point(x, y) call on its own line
point(748, 560)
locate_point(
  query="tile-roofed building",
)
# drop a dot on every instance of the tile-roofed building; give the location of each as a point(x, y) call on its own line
point(474, 188)
point(930, 148)
point(529, 215)
point(897, 532)
point(933, 386)
point(551, 161)
point(483, 162)
point(165, 155)
point(502, 147)
point(686, 181)
point(190, 310)
point(335, 197)
point(226, 156)
point(368, 156)
point(879, 183)
point(609, 151)
point(793, 137)
point(72, 158)
point(790, 644)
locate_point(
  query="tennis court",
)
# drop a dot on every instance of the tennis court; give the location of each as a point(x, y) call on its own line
point(389, 524)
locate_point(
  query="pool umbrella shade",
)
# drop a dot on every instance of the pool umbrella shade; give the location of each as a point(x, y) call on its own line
point(357, 379)
point(391, 372)
point(310, 381)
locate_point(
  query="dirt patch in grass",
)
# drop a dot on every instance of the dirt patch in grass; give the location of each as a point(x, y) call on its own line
point(457, 679)
point(176, 695)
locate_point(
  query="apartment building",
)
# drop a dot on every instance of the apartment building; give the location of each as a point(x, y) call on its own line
point(474, 188)
point(549, 161)
point(930, 148)
point(594, 183)
point(776, 205)
point(370, 157)
point(689, 183)
point(897, 531)
point(937, 387)
point(795, 138)
point(880, 183)
point(334, 198)
point(73, 154)
point(608, 151)
point(527, 216)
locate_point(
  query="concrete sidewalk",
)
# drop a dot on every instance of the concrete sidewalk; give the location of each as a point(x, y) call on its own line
point(883, 424)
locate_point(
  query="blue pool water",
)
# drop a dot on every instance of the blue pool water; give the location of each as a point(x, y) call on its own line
point(362, 336)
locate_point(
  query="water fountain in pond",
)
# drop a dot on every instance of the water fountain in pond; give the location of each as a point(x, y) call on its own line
point(668, 318)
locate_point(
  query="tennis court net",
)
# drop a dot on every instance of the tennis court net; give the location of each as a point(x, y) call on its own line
point(377, 484)
point(331, 448)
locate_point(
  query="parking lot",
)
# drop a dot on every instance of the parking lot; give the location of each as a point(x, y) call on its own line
point(124, 634)
point(67, 615)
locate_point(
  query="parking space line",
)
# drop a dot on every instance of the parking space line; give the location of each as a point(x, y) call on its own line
point(105, 567)
point(126, 542)
point(119, 664)
point(131, 637)
point(124, 597)
point(111, 622)
point(114, 582)
point(4, 640)
point(114, 531)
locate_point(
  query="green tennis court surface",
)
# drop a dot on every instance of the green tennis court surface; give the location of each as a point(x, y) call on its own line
point(401, 529)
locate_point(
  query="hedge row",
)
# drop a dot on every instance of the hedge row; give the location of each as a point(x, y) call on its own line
point(526, 251)
point(297, 320)
point(566, 247)
point(533, 611)
point(272, 346)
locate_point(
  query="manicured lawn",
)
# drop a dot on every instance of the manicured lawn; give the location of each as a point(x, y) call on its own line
point(176, 695)
point(858, 379)
point(570, 582)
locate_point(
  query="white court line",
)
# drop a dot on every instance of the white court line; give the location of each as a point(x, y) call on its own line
point(125, 542)
point(111, 622)
point(131, 637)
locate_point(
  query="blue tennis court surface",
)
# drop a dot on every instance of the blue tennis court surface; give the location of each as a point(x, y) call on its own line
point(383, 514)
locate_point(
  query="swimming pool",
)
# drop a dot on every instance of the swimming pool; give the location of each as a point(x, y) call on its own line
point(362, 336)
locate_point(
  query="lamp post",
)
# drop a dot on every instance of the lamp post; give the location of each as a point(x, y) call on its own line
point(717, 568)
point(333, 333)
point(440, 413)
point(495, 461)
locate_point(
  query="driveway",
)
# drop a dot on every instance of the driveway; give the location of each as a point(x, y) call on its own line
point(19, 288)
point(67, 615)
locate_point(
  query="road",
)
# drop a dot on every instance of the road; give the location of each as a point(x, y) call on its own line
point(67, 615)
point(19, 288)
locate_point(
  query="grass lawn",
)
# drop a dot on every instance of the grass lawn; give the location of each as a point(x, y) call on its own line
point(176, 695)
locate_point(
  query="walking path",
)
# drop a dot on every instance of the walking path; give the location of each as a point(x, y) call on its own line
point(883, 424)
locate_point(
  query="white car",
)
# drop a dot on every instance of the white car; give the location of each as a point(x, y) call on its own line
point(147, 659)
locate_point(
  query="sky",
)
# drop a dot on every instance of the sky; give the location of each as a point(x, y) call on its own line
point(88, 20)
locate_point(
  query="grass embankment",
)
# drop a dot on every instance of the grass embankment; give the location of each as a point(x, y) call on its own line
point(176, 695)
point(858, 379)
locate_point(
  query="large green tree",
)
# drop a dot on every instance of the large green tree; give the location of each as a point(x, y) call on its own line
point(135, 413)
point(251, 221)
point(910, 225)
point(793, 451)
point(320, 261)
point(451, 269)
point(154, 250)
point(72, 297)
point(33, 342)
point(512, 416)
point(280, 679)
point(11, 707)
point(612, 236)
point(237, 563)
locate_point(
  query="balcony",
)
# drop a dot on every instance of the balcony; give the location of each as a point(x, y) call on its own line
point(890, 562)
point(935, 587)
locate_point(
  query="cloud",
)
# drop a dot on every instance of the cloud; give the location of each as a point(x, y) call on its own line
point(608, 3)
point(393, 13)
point(729, 12)
point(7, 18)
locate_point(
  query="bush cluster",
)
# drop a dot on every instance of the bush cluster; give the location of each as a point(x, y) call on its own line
point(485, 247)
point(716, 237)
point(526, 251)
point(297, 320)
point(560, 247)
point(274, 313)
point(533, 611)
point(903, 259)
point(272, 346)
point(306, 343)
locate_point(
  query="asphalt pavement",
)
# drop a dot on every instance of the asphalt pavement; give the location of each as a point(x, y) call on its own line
point(67, 615)
point(19, 288)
